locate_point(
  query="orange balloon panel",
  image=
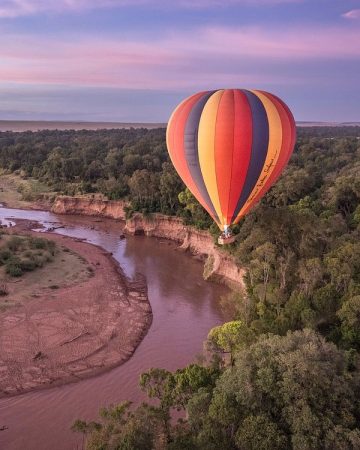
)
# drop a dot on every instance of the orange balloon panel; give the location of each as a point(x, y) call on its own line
point(229, 147)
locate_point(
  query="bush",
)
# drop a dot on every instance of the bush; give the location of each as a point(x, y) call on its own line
point(13, 270)
point(27, 264)
point(25, 254)
point(14, 243)
point(3, 290)
point(5, 254)
point(27, 195)
point(38, 243)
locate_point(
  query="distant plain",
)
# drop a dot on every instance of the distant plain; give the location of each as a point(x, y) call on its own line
point(29, 125)
point(24, 125)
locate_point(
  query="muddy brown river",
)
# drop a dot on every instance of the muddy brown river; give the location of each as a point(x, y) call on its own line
point(184, 308)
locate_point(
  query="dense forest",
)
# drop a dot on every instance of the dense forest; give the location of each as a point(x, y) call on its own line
point(285, 372)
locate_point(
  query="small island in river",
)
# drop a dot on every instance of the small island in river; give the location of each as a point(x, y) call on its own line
point(72, 317)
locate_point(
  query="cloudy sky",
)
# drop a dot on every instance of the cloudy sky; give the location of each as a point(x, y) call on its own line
point(134, 60)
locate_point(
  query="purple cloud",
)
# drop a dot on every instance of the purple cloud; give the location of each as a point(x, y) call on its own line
point(17, 8)
point(353, 14)
point(203, 57)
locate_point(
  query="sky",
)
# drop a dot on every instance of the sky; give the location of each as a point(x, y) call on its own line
point(135, 60)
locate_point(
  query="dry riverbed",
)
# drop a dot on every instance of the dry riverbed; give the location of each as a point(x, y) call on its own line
point(73, 318)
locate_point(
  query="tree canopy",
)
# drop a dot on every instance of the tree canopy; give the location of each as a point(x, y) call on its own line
point(284, 392)
point(291, 380)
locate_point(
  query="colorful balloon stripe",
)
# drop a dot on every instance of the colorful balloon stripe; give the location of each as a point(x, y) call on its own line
point(229, 147)
point(175, 143)
point(206, 148)
point(191, 149)
point(287, 145)
point(260, 139)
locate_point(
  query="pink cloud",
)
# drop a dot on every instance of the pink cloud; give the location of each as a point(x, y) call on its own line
point(353, 14)
point(290, 44)
point(16, 8)
point(207, 57)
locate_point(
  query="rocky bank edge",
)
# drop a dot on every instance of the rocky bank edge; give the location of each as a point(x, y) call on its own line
point(76, 331)
point(219, 266)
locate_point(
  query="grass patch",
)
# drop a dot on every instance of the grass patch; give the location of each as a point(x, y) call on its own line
point(33, 266)
point(17, 190)
point(20, 254)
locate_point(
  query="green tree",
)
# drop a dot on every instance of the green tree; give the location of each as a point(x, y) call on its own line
point(349, 314)
point(170, 186)
point(113, 162)
point(190, 380)
point(122, 429)
point(297, 386)
point(229, 338)
point(194, 212)
point(144, 186)
point(259, 432)
point(94, 171)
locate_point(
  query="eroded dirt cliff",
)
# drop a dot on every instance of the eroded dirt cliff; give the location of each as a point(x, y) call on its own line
point(87, 206)
point(219, 265)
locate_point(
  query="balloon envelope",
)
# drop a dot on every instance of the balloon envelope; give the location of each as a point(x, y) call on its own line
point(229, 147)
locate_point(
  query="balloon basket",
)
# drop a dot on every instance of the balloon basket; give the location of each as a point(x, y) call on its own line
point(222, 240)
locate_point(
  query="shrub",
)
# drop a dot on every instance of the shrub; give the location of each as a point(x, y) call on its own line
point(39, 260)
point(5, 254)
point(27, 264)
point(38, 243)
point(13, 270)
point(42, 244)
point(51, 246)
point(3, 290)
point(14, 243)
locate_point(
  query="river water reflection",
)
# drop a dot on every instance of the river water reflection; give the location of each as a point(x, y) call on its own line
point(184, 308)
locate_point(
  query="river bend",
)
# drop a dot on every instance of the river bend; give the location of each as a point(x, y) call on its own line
point(184, 308)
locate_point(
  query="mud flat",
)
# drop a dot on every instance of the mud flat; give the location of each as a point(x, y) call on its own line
point(75, 331)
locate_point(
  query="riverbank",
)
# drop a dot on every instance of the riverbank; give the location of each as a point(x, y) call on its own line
point(219, 266)
point(74, 331)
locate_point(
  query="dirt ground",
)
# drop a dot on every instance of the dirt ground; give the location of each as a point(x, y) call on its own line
point(67, 268)
point(86, 325)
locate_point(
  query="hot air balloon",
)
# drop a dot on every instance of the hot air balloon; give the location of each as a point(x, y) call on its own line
point(230, 146)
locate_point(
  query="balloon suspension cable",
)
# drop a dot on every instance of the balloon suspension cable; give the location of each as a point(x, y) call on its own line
point(226, 237)
point(227, 231)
